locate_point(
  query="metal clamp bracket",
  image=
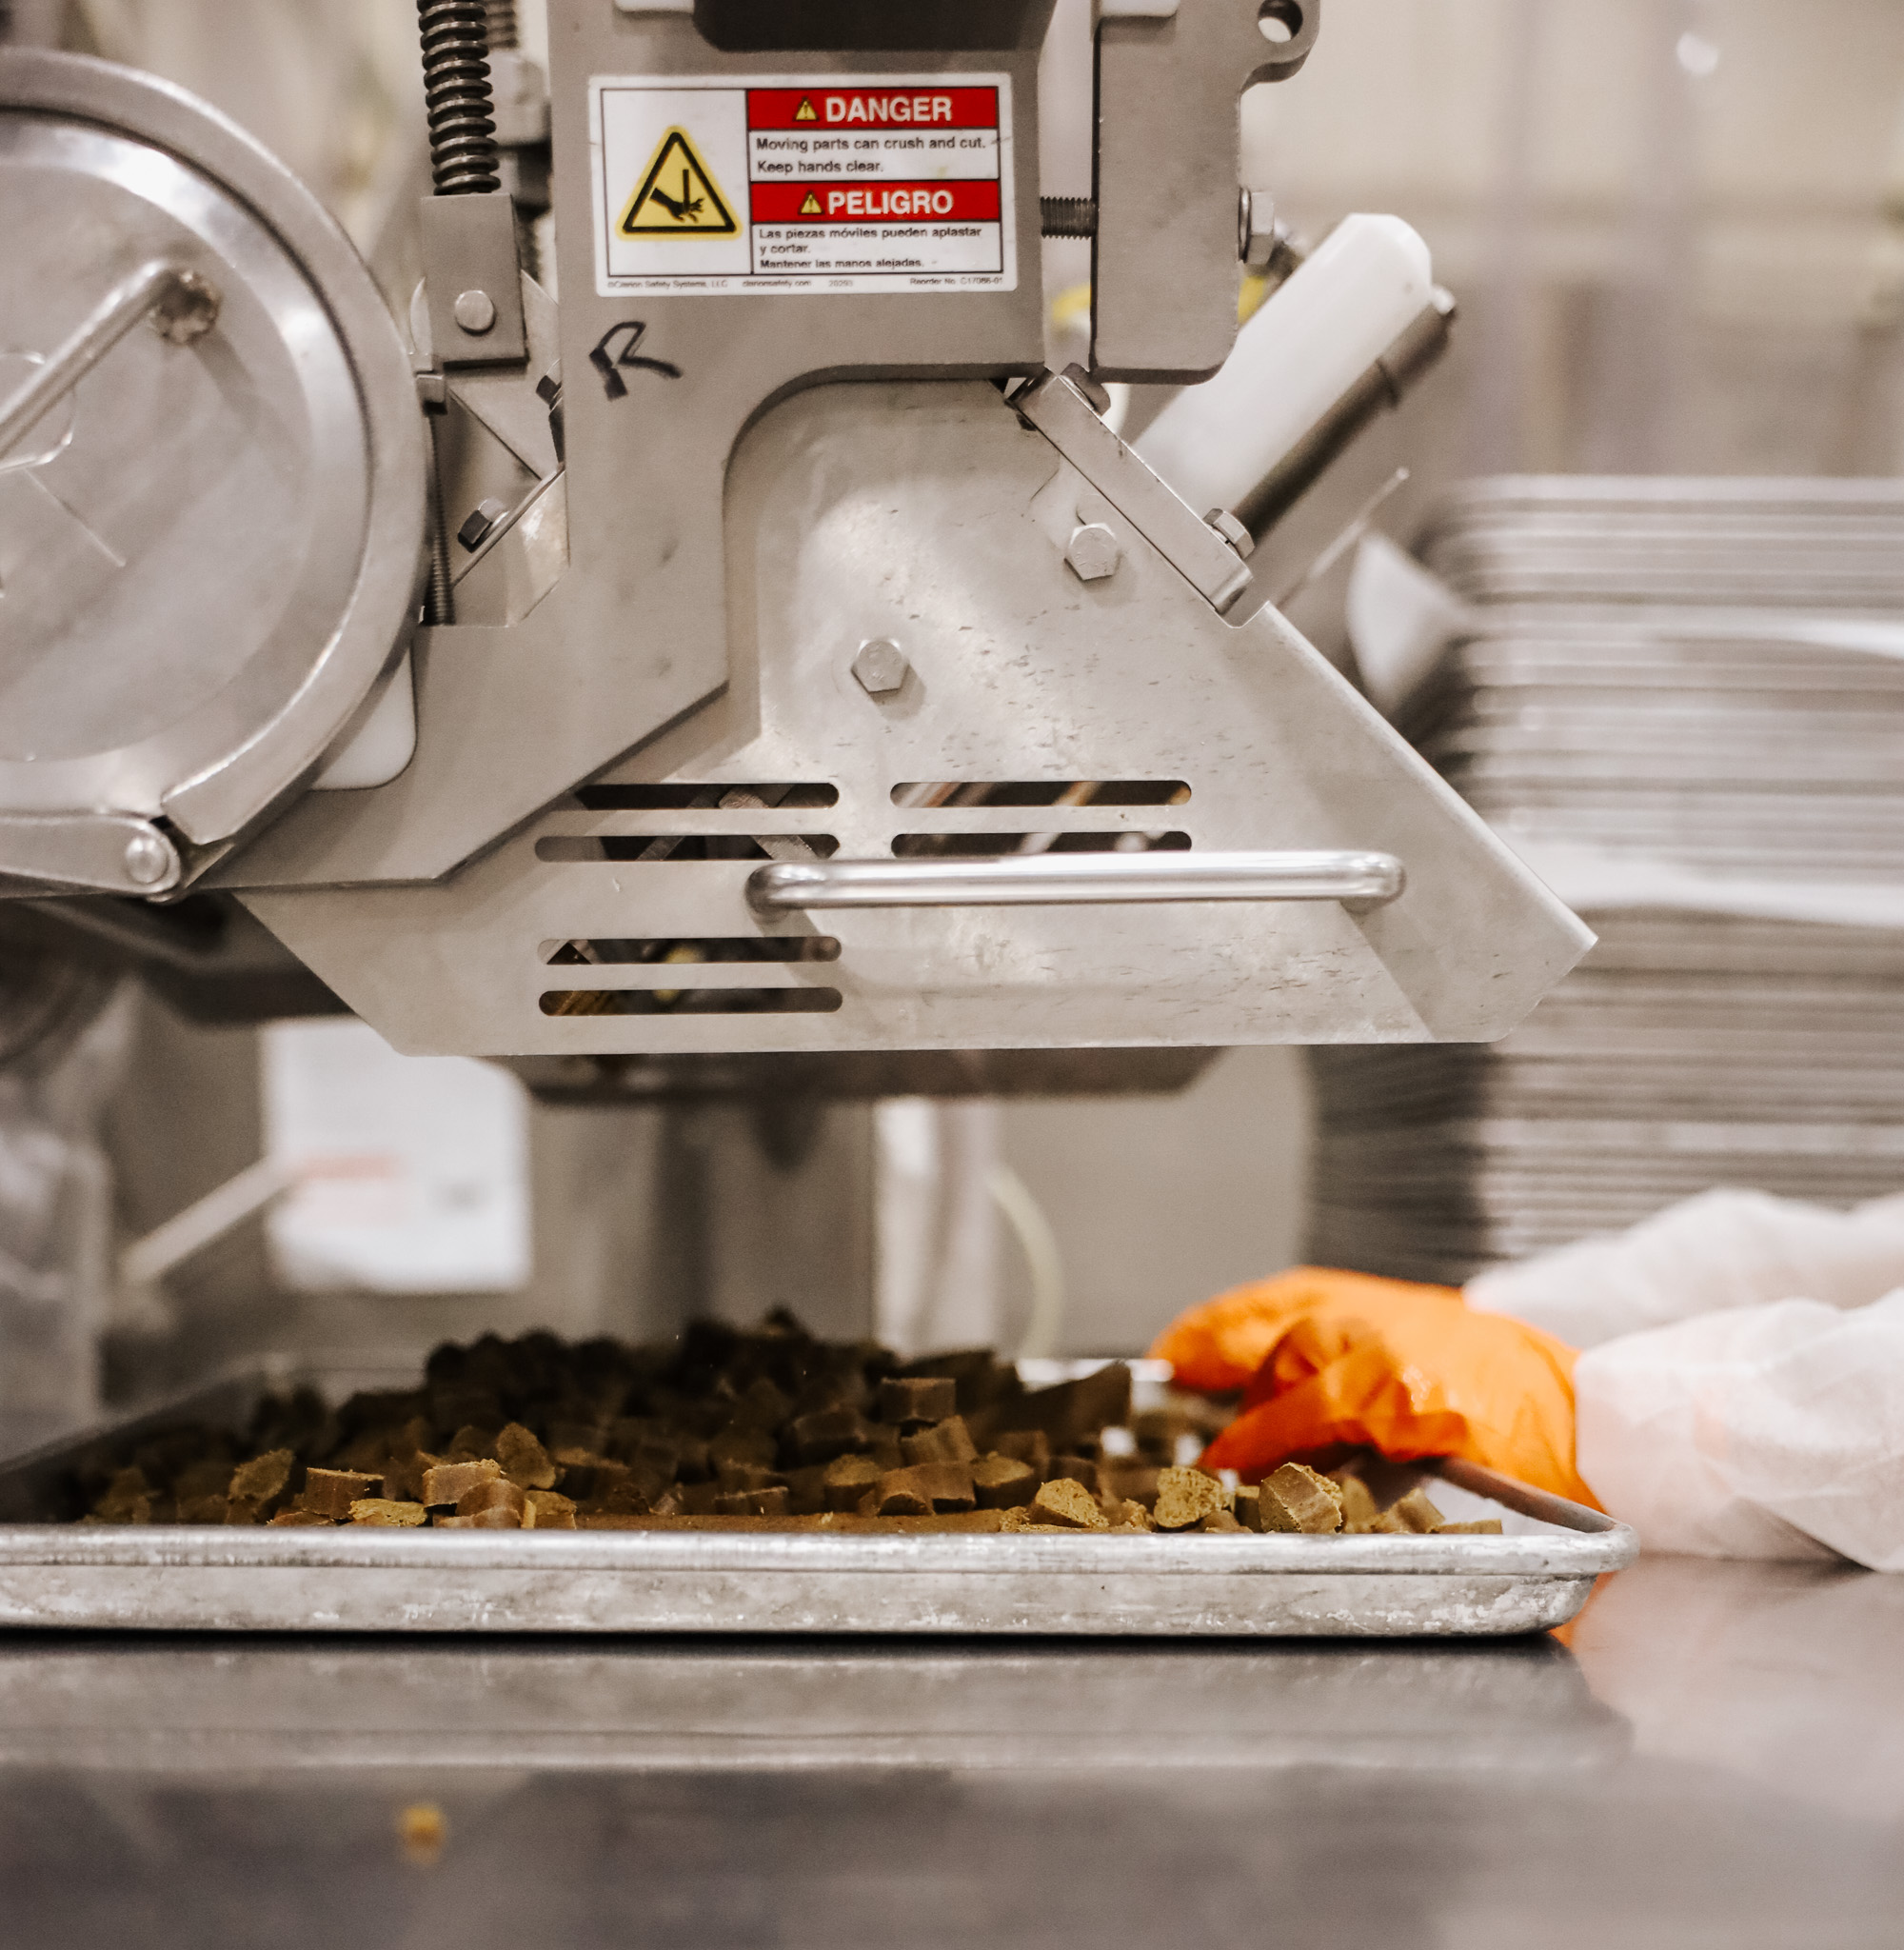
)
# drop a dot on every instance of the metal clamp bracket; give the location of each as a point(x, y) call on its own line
point(108, 853)
point(182, 305)
point(1359, 881)
point(1206, 560)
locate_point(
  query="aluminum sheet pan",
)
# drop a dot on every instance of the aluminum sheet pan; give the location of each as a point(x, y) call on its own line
point(179, 1577)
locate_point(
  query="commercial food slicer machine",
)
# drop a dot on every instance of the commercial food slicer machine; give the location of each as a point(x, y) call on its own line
point(829, 682)
point(759, 671)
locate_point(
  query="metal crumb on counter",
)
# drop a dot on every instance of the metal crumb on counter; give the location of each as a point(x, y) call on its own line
point(766, 1430)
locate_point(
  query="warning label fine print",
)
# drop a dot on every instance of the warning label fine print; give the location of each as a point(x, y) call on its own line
point(837, 184)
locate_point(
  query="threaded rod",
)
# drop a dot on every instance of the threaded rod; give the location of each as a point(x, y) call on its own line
point(502, 29)
point(1068, 217)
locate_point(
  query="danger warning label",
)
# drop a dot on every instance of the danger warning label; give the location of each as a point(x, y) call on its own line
point(677, 197)
point(892, 183)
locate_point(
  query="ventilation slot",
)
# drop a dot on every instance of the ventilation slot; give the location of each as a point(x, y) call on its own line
point(687, 846)
point(701, 798)
point(997, 846)
point(739, 947)
point(690, 1002)
point(959, 792)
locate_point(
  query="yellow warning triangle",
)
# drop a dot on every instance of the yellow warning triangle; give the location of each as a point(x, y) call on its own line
point(677, 196)
point(811, 207)
point(804, 112)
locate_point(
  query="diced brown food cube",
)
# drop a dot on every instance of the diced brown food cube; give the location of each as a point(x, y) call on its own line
point(1359, 1508)
point(755, 1502)
point(524, 1461)
point(1184, 1496)
point(330, 1492)
point(243, 1510)
point(824, 1433)
point(1079, 1468)
point(498, 1502)
point(1130, 1515)
point(449, 1483)
point(1134, 1481)
point(388, 1513)
point(209, 1477)
point(1003, 1482)
point(1024, 1519)
point(1418, 1513)
point(924, 1488)
point(909, 1400)
point(404, 1475)
point(1295, 1498)
point(1159, 1430)
point(1482, 1527)
point(628, 1500)
point(731, 1478)
point(548, 1509)
point(1247, 1503)
point(457, 1406)
point(806, 1490)
point(739, 1446)
point(1218, 1520)
point(263, 1478)
point(593, 1436)
point(212, 1509)
point(447, 1520)
point(301, 1519)
point(364, 1454)
point(1388, 1524)
point(1069, 1413)
point(763, 1406)
point(945, 1442)
point(848, 1481)
point(1067, 1501)
point(472, 1441)
point(1030, 1445)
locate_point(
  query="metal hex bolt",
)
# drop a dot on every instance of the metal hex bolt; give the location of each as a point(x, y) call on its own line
point(475, 311)
point(881, 666)
point(148, 860)
point(1094, 551)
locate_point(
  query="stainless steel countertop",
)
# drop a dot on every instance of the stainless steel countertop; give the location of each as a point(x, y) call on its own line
point(1718, 1759)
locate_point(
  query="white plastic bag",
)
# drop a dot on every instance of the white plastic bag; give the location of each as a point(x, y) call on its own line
point(1722, 1249)
point(1757, 1432)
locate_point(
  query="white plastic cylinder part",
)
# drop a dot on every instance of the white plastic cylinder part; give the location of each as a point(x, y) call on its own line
point(1364, 285)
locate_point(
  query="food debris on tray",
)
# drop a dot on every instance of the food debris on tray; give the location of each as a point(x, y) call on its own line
point(766, 1428)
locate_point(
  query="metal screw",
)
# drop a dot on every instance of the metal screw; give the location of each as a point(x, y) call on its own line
point(187, 309)
point(149, 859)
point(1094, 551)
point(1232, 530)
point(881, 666)
point(475, 312)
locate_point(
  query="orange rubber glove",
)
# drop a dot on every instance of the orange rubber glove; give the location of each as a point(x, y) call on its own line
point(1340, 1361)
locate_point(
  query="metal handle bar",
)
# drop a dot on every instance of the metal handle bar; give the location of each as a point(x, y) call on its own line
point(182, 305)
point(1358, 880)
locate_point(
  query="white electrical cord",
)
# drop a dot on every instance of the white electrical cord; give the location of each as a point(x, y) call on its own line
point(1043, 1261)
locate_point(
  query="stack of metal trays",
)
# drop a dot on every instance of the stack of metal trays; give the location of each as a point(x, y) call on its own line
point(1684, 705)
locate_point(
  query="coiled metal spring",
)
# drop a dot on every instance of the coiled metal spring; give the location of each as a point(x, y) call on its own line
point(502, 29)
point(456, 94)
